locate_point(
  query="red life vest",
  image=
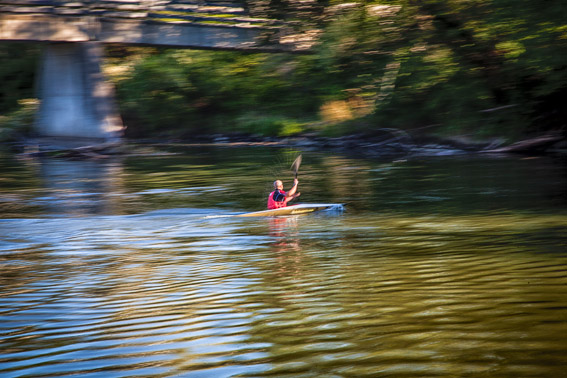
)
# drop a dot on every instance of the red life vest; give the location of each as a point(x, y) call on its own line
point(276, 204)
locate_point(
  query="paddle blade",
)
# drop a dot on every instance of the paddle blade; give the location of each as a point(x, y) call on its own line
point(295, 165)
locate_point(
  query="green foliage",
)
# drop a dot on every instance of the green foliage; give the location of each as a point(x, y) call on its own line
point(18, 122)
point(269, 126)
point(201, 92)
point(18, 63)
point(459, 62)
point(157, 95)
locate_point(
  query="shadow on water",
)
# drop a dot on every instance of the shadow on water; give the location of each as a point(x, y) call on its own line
point(134, 267)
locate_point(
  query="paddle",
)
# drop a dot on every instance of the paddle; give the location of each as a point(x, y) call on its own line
point(295, 165)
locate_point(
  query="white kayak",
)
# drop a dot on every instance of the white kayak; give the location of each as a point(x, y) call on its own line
point(303, 208)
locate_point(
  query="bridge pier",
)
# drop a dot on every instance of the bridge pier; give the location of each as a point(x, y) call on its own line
point(76, 101)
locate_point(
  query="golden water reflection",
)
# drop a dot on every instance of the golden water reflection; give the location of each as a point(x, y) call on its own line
point(409, 305)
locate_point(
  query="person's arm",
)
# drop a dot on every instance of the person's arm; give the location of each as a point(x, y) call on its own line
point(291, 192)
point(290, 198)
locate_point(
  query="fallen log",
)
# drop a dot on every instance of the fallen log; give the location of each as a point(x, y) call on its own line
point(59, 150)
point(534, 145)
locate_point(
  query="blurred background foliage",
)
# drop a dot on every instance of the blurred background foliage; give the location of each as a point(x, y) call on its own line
point(480, 68)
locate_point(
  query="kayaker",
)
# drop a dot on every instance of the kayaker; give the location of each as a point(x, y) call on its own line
point(279, 198)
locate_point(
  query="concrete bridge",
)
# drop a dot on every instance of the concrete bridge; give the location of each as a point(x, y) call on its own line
point(76, 100)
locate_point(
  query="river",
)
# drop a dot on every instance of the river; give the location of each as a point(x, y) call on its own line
point(133, 266)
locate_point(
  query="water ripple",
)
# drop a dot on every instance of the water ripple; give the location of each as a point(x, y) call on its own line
point(181, 295)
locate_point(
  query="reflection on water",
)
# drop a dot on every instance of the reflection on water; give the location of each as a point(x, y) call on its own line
point(284, 232)
point(80, 187)
point(132, 277)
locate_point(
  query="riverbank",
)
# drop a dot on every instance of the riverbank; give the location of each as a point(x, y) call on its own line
point(388, 143)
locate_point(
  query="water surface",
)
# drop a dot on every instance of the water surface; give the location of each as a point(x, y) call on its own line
point(133, 267)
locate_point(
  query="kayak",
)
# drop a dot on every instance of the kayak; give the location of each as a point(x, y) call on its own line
point(304, 208)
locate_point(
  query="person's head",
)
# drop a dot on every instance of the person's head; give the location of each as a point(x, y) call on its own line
point(278, 184)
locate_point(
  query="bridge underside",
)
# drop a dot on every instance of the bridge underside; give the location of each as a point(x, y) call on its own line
point(179, 34)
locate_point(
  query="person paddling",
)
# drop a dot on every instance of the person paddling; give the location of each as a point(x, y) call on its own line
point(279, 198)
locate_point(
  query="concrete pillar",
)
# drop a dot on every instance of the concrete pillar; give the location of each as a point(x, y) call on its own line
point(76, 101)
